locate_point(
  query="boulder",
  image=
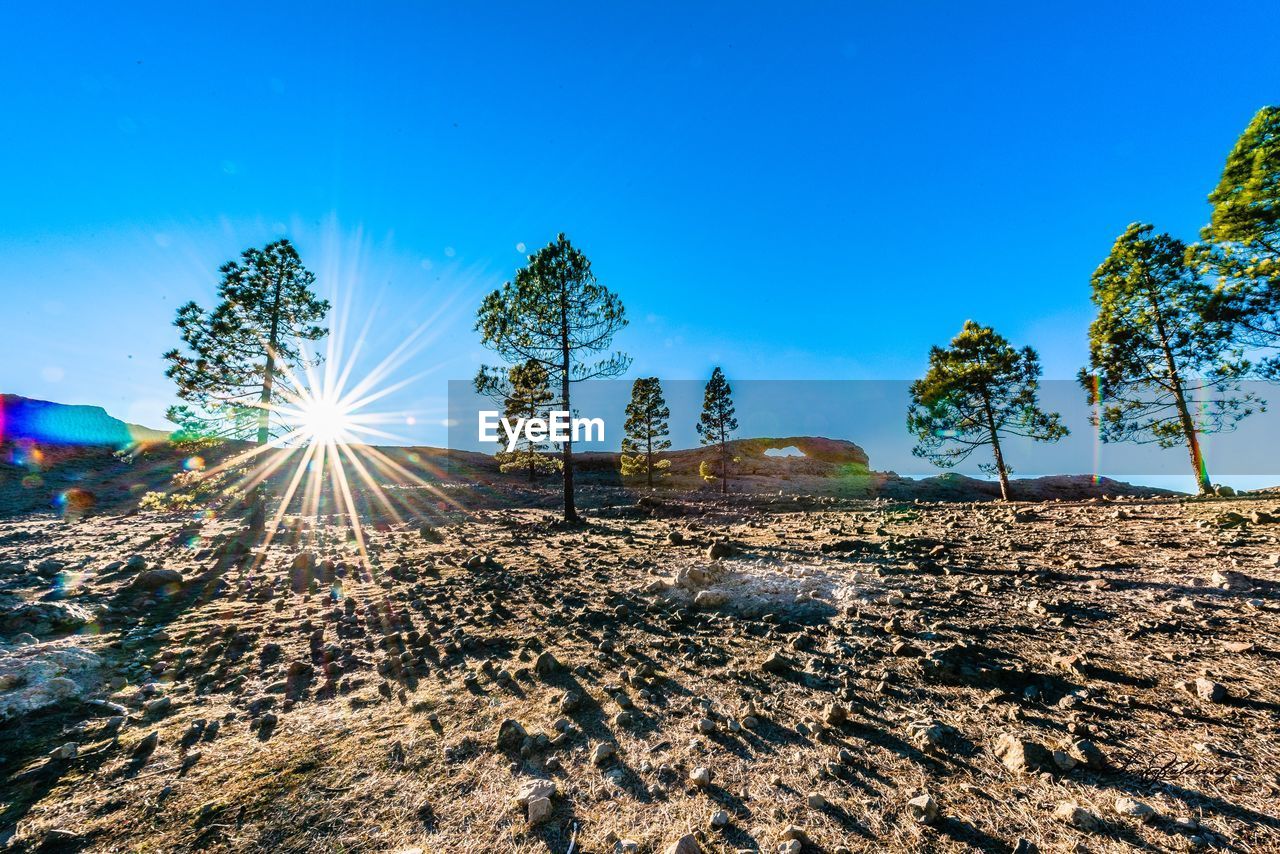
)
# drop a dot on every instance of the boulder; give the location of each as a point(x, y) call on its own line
point(33, 677)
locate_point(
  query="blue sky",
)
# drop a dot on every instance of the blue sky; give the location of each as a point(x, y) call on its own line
point(805, 191)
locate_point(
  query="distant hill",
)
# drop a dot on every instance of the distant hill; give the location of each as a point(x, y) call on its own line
point(49, 423)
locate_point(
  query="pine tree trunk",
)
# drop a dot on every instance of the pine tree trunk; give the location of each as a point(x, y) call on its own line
point(1001, 470)
point(1193, 441)
point(648, 456)
point(724, 463)
point(570, 511)
point(258, 499)
point(1198, 467)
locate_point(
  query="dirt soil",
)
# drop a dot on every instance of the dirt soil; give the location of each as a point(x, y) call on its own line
point(764, 675)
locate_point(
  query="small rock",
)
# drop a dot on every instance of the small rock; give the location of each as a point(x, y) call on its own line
point(1131, 808)
point(687, 844)
point(65, 751)
point(923, 809)
point(1074, 815)
point(1088, 754)
point(546, 664)
point(1210, 691)
point(719, 819)
point(534, 789)
point(1022, 756)
point(776, 663)
point(701, 777)
point(147, 745)
point(511, 734)
point(602, 754)
point(539, 810)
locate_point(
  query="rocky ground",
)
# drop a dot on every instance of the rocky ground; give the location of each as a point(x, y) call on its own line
point(815, 675)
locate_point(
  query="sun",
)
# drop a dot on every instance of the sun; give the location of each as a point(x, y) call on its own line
point(322, 420)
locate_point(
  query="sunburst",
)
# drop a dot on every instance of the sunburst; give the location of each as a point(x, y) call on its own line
point(327, 421)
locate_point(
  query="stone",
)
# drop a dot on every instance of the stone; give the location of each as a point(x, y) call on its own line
point(816, 801)
point(709, 599)
point(1074, 815)
point(776, 663)
point(794, 833)
point(49, 567)
point(511, 734)
point(719, 819)
point(1132, 808)
point(1088, 754)
point(539, 810)
point(1022, 756)
point(155, 579)
point(570, 702)
point(701, 777)
point(545, 664)
point(147, 746)
point(1210, 691)
point(706, 726)
point(65, 751)
point(158, 706)
point(834, 714)
point(42, 617)
point(923, 809)
point(33, 677)
point(602, 754)
point(687, 844)
point(534, 789)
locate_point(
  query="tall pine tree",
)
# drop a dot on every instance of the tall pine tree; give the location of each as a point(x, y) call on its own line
point(557, 314)
point(524, 393)
point(235, 366)
point(646, 431)
point(976, 391)
point(1241, 244)
point(717, 421)
point(1154, 358)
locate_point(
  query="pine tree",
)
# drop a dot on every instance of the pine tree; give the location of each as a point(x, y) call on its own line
point(524, 392)
point(237, 359)
point(717, 421)
point(646, 431)
point(976, 391)
point(1154, 357)
point(555, 313)
point(1241, 247)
